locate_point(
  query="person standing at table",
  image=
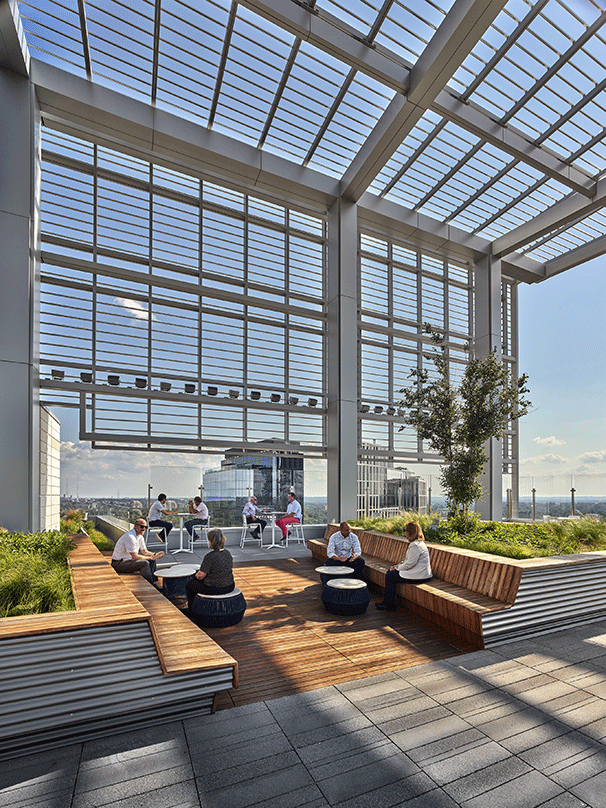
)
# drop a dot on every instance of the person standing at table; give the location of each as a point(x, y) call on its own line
point(250, 512)
point(154, 519)
point(197, 507)
point(131, 555)
point(344, 550)
point(293, 514)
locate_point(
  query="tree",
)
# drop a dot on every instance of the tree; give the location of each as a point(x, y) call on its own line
point(457, 421)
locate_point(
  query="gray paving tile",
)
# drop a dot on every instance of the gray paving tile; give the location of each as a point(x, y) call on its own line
point(331, 732)
point(235, 771)
point(309, 700)
point(527, 791)
point(461, 762)
point(554, 753)
point(379, 755)
point(233, 730)
point(342, 786)
point(486, 779)
point(137, 743)
point(43, 773)
point(433, 732)
point(478, 703)
point(579, 769)
point(296, 722)
point(524, 686)
point(432, 799)
point(306, 797)
point(266, 786)
point(416, 718)
point(534, 736)
point(117, 769)
point(595, 729)
point(403, 708)
point(446, 746)
point(178, 795)
point(592, 791)
point(36, 797)
point(513, 723)
point(564, 800)
point(596, 688)
point(124, 787)
point(393, 794)
point(587, 709)
point(546, 693)
point(332, 749)
point(254, 752)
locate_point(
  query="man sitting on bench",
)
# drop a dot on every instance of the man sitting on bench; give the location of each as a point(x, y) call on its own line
point(131, 555)
point(344, 550)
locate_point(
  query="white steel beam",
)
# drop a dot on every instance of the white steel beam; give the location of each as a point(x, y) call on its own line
point(104, 116)
point(473, 120)
point(572, 209)
point(460, 30)
point(333, 37)
point(14, 53)
point(593, 249)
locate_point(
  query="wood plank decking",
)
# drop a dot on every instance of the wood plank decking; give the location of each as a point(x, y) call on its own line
point(287, 643)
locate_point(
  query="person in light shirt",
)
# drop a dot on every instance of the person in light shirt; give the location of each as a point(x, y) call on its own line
point(200, 511)
point(415, 569)
point(344, 550)
point(250, 512)
point(131, 555)
point(293, 514)
point(154, 517)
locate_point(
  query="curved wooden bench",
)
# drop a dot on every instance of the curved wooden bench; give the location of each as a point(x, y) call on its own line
point(466, 585)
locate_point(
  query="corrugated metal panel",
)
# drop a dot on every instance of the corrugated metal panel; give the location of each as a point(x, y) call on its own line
point(74, 685)
point(550, 599)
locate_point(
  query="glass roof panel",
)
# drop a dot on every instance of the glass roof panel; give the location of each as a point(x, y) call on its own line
point(409, 26)
point(189, 56)
point(359, 14)
point(257, 55)
point(52, 31)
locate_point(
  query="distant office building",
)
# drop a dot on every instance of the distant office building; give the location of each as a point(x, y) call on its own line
point(270, 476)
point(377, 493)
point(408, 493)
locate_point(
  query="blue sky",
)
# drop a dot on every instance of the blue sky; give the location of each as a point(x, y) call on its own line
point(562, 325)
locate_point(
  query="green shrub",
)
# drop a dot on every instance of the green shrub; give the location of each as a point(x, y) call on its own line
point(34, 577)
point(509, 539)
point(99, 539)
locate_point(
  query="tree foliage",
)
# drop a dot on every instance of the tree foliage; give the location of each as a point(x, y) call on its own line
point(456, 421)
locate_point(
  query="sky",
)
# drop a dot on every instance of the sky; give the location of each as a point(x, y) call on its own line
point(562, 334)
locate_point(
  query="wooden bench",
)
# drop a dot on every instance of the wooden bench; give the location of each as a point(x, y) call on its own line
point(466, 584)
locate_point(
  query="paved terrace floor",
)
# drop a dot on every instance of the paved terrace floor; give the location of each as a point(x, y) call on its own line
point(520, 725)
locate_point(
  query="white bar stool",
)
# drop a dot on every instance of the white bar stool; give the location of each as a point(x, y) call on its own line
point(245, 527)
point(202, 531)
point(295, 533)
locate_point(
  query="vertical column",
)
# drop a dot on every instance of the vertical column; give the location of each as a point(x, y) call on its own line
point(19, 278)
point(487, 337)
point(515, 445)
point(342, 361)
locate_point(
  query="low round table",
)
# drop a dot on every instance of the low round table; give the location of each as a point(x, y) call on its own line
point(218, 610)
point(174, 578)
point(345, 596)
point(327, 572)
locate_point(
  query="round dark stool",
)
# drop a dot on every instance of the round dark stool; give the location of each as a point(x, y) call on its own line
point(328, 572)
point(345, 596)
point(219, 610)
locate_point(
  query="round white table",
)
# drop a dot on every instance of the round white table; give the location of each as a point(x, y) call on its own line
point(173, 579)
point(327, 572)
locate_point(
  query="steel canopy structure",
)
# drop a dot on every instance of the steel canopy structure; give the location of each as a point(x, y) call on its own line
point(245, 211)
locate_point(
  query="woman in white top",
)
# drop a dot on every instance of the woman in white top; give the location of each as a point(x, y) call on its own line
point(415, 569)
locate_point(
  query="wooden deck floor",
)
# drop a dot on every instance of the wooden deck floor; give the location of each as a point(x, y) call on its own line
point(287, 643)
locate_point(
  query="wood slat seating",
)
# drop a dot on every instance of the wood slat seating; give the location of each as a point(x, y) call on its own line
point(465, 585)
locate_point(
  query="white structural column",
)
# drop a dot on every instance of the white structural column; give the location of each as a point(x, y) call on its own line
point(342, 361)
point(487, 338)
point(19, 261)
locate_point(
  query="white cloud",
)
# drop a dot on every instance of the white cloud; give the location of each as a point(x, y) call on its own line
point(551, 441)
point(137, 309)
point(593, 457)
point(546, 458)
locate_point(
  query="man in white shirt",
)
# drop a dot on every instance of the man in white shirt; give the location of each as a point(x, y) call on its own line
point(250, 512)
point(154, 517)
point(344, 550)
point(131, 555)
point(293, 514)
point(199, 509)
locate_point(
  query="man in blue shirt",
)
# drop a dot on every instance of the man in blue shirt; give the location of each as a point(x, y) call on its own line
point(250, 512)
point(344, 550)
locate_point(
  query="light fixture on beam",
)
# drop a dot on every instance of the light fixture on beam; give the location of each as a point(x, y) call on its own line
point(190, 388)
point(275, 398)
point(378, 409)
point(113, 380)
point(364, 407)
point(58, 375)
point(293, 400)
point(86, 377)
point(391, 410)
point(311, 402)
point(165, 387)
point(255, 395)
point(211, 390)
point(141, 383)
point(234, 393)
